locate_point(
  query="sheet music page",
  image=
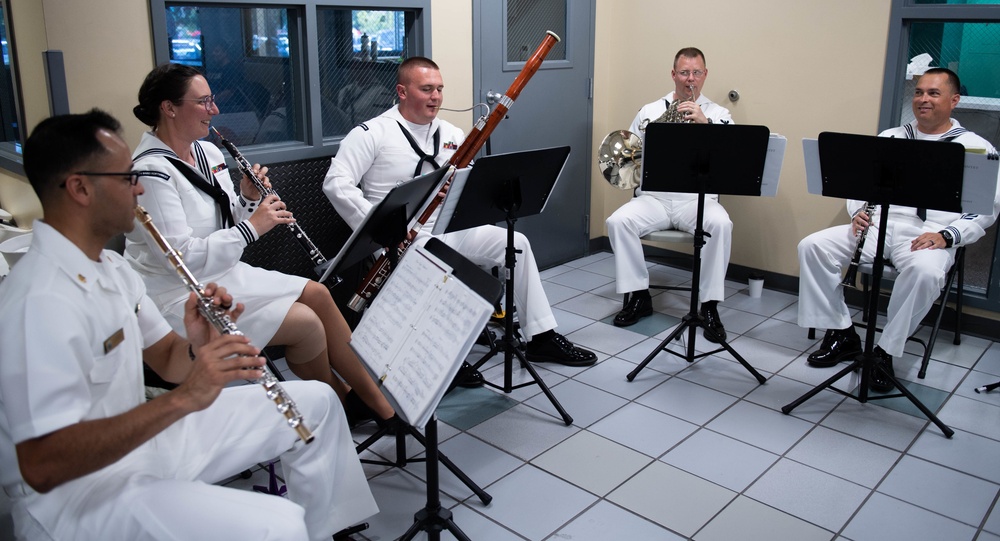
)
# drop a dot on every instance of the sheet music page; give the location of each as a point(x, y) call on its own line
point(415, 334)
point(433, 353)
point(450, 201)
point(979, 182)
point(388, 321)
point(814, 175)
point(772, 165)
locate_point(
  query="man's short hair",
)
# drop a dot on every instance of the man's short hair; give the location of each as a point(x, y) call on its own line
point(412, 63)
point(59, 145)
point(953, 80)
point(690, 52)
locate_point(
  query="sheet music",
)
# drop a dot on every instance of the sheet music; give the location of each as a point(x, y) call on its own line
point(417, 331)
point(772, 165)
point(451, 201)
point(814, 175)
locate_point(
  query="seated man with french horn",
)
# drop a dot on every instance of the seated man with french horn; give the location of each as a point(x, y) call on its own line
point(654, 211)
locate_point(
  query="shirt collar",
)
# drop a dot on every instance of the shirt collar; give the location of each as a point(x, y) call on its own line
point(70, 259)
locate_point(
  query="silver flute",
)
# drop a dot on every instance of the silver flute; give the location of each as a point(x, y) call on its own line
point(218, 318)
point(300, 235)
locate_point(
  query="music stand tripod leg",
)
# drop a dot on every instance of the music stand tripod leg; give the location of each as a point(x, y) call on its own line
point(433, 518)
point(693, 320)
point(508, 342)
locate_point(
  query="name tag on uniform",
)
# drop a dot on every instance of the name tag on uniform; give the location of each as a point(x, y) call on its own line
point(112, 342)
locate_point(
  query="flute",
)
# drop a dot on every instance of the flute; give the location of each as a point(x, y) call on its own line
point(463, 157)
point(300, 235)
point(851, 278)
point(218, 318)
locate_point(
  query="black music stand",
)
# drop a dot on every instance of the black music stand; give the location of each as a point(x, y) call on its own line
point(509, 186)
point(700, 159)
point(433, 518)
point(885, 171)
point(387, 223)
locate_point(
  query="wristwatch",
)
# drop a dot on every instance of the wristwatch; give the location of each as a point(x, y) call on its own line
point(948, 239)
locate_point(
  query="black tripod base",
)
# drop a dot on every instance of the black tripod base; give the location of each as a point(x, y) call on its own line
point(691, 323)
point(866, 363)
point(402, 460)
point(508, 346)
point(434, 521)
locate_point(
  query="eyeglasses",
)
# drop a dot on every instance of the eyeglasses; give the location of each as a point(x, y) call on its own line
point(687, 73)
point(207, 102)
point(132, 176)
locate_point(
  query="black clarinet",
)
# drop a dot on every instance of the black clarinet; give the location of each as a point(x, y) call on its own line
point(319, 261)
point(851, 278)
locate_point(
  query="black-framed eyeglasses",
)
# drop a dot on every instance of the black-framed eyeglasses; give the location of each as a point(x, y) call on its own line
point(131, 176)
point(207, 102)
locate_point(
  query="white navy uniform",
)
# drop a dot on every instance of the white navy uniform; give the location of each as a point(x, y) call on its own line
point(375, 156)
point(191, 222)
point(824, 254)
point(655, 211)
point(71, 350)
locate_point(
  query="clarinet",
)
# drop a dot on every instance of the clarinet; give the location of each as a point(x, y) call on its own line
point(222, 323)
point(851, 277)
point(463, 156)
point(300, 235)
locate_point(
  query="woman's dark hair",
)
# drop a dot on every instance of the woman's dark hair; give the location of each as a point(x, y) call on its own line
point(59, 145)
point(165, 82)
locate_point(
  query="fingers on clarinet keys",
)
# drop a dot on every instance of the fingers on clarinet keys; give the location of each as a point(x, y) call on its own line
point(557, 349)
point(639, 306)
point(879, 382)
point(837, 346)
point(710, 315)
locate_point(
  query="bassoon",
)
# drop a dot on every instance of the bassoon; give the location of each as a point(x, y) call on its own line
point(462, 157)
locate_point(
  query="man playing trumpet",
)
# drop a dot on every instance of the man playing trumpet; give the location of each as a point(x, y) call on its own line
point(922, 248)
point(654, 211)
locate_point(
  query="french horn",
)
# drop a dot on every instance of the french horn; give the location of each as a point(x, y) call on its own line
point(620, 155)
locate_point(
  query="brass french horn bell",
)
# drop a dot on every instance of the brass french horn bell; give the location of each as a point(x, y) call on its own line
point(620, 157)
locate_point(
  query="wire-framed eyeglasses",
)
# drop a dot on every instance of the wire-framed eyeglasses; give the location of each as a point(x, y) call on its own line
point(687, 73)
point(132, 177)
point(207, 102)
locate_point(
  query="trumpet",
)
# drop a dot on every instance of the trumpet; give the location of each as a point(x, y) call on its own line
point(620, 155)
point(851, 277)
point(221, 322)
point(319, 261)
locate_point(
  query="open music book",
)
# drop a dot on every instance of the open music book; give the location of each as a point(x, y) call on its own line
point(417, 332)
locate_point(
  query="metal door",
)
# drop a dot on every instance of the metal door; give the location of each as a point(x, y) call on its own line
point(553, 109)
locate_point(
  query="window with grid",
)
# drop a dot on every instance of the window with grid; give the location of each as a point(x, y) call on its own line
point(11, 115)
point(263, 63)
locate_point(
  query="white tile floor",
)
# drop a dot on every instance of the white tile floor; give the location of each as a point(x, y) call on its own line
point(701, 451)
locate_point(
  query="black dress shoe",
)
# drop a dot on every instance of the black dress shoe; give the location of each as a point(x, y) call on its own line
point(710, 315)
point(638, 307)
point(557, 349)
point(358, 413)
point(838, 345)
point(468, 377)
point(879, 382)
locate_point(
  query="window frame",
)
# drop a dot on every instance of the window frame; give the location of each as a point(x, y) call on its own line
point(11, 161)
point(902, 14)
point(315, 145)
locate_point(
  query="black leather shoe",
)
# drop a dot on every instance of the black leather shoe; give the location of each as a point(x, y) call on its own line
point(638, 307)
point(468, 377)
point(358, 413)
point(558, 349)
point(710, 314)
point(838, 345)
point(879, 382)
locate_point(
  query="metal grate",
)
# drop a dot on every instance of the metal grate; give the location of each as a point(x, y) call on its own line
point(529, 19)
